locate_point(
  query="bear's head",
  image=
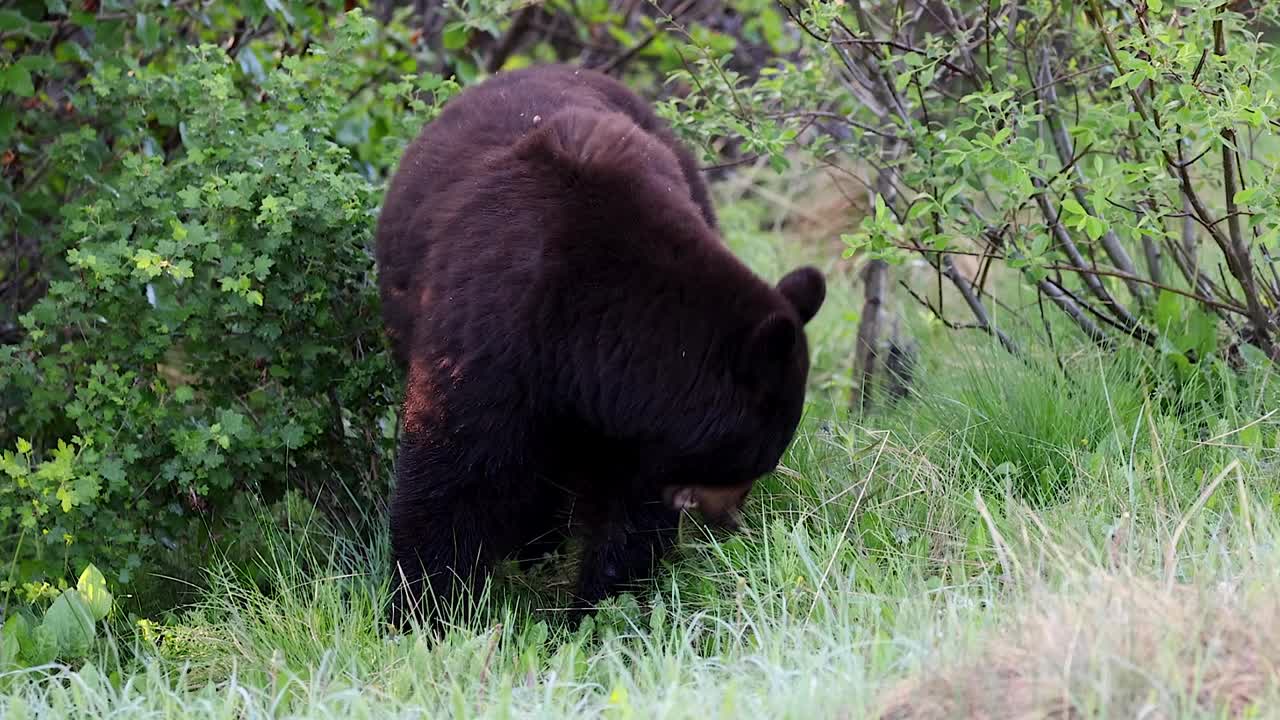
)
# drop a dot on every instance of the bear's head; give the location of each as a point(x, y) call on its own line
point(747, 439)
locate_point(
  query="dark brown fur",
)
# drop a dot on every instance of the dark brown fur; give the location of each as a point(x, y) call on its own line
point(577, 337)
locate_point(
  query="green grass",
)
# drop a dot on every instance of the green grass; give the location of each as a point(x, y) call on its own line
point(1012, 541)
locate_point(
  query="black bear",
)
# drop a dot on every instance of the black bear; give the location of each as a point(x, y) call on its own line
point(583, 353)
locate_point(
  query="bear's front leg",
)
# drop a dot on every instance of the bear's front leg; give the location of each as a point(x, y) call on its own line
point(623, 544)
point(437, 535)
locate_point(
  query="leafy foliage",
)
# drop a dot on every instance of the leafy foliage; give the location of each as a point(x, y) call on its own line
point(217, 328)
point(1111, 156)
point(67, 629)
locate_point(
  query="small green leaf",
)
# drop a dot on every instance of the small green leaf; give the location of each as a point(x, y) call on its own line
point(1094, 227)
point(1251, 436)
point(1071, 207)
point(293, 436)
point(93, 589)
point(17, 80)
point(455, 36)
point(181, 270)
point(1244, 196)
point(951, 192)
point(190, 197)
point(1121, 80)
point(920, 209)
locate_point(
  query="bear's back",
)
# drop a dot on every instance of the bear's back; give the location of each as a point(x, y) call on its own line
point(446, 171)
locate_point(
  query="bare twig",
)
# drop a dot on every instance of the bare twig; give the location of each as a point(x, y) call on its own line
point(1068, 305)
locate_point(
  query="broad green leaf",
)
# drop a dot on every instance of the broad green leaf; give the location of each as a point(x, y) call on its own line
point(93, 590)
point(16, 631)
point(71, 623)
point(12, 20)
point(148, 30)
point(1168, 310)
point(1201, 332)
point(36, 63)
point(536, 635)
point(42, 648)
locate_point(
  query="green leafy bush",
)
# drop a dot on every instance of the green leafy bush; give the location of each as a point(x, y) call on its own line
point(217, 330)
point(1108, 162)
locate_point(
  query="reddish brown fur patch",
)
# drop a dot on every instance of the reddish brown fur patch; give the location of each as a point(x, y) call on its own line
point(421, 399)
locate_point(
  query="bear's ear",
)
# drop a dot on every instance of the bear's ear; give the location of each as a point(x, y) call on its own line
point(769, 347)
point(805, 288)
